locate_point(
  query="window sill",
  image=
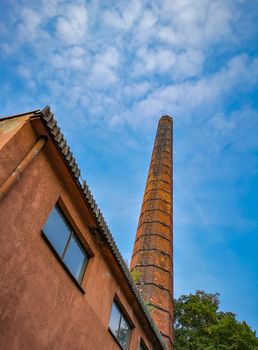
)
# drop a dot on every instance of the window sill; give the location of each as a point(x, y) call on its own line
point(62, 263)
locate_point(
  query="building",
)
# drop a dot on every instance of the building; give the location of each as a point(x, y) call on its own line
point(64, 284)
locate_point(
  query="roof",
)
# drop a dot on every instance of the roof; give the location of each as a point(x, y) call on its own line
point(48, 120)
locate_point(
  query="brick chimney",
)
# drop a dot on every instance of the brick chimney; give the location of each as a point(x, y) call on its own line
point(152, 257)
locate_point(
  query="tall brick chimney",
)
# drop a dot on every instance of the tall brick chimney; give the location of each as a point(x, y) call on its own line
point(153, 247)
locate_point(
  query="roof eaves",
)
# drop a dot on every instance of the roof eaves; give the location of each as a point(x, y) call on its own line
point(19, 115)
point(48, 118)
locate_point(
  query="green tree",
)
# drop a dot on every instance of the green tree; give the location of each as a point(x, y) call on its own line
point(200, 326)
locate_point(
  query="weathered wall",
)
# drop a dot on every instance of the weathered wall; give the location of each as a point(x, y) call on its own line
point(40, 306)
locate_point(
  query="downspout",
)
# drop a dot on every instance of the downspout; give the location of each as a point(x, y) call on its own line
point(17, 173)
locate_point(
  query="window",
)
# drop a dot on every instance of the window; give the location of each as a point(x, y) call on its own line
point(65, 243)
point(142, 346)
point(119, 326)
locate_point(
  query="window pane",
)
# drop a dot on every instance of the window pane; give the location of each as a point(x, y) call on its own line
point(114, 320)
point(124, 334)
point(75, 258)
point(57, 230)
point(143, 347)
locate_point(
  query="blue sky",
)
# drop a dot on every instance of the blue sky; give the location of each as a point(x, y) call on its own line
point(109, 70)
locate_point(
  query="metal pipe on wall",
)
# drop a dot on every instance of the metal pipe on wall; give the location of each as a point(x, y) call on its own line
point(17, 173)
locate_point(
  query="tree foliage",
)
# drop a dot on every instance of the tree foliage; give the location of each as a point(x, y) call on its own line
point(200, 326)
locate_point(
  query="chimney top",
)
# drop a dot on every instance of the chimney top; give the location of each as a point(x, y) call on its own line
point(166, 117)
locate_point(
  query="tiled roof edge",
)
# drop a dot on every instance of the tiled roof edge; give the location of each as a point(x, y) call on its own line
point(48, 117)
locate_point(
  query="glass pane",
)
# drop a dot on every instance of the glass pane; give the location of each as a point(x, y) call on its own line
point(124, 334)
point(114, 320)
point(142, 347)
point(75, 258)
point(57, 230)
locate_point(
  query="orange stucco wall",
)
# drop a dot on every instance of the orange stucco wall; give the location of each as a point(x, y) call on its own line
point(40, 305)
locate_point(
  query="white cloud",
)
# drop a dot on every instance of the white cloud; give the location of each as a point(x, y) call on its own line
point(147, 21)
point(213, 165)
point(137, 90)
point(24, 72)
point(167, 34)
point(198, 24)
point(110, 57)
point(3, 29)
point(70, 58)
point(123, 17)
point(220, 123)
point(29, 26)
point(71, 26)
point(188, 64)
point(160, 60)
point(104, 69)
point(166, 62)
point(239, 73)
point(102, 75)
